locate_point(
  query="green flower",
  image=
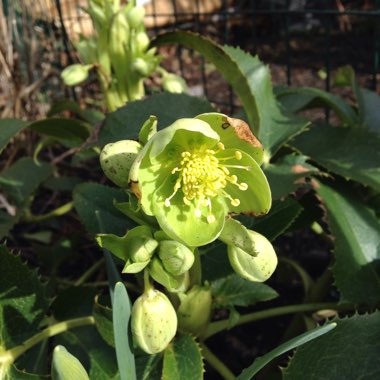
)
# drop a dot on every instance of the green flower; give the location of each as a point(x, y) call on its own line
point(195, 172)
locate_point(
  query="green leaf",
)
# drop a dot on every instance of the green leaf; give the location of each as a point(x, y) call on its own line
point(15, 373)
point(121, 327)
point(215, 262)
point(370, 110)
point(298, 99)
point(67, 131)
point(103, 321)
point(287, 174)
point(349, 352)
point(149, 367)
point(66, 366)
point(6, 223)
point(357, 240)
point(126, 122)
point(235, 291)
point(262, 361)
point(353, 153)
point(8, 129)
point(28, 176)
point(90, 198)
point(251, 81)
point(183, 360)
point(22, 303)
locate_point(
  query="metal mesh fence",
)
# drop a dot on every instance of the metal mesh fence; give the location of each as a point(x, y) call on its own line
point(303, 41)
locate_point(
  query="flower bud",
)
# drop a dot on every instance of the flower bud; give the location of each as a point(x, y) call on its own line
point(142, 41)
point(140, 67)
point(117, 158)
point(135, 16)
point(254, 268)
point(174, 83)
point(194, 312)
point(153, 321)
point(141, 248)
point(176, 257)
point(75, 74)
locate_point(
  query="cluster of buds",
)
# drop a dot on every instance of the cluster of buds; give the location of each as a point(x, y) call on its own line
point(119, 53)
point(190, 178)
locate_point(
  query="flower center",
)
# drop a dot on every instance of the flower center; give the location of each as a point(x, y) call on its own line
point(202, 176)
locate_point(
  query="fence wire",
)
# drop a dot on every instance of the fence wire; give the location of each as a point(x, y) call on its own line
point(303, 41)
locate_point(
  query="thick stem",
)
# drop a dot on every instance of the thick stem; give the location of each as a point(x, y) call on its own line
point(216, 363)
point(50, 331)
point(219, 326)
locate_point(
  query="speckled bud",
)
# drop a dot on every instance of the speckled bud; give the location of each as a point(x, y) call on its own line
point(173, 83)
point(117, 158)
point(154, 321)
point(194, 312)
point(254, 268)
point(75, 74)
point(176, 257)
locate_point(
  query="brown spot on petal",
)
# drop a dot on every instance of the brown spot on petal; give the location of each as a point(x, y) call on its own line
point(135, 188)
point(244, 132)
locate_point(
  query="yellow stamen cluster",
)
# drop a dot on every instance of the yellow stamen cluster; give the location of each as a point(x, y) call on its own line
point(203, 176)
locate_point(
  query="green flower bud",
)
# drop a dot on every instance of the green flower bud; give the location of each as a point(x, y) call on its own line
point(141, 67)
point(254, 268)
point(141, 248)
point(176, 257)
point(194, 312)
point(117, 158)
point(153, 321)
point(142, 41)
point(174, 83)
point(75, 74)
point(135, 17)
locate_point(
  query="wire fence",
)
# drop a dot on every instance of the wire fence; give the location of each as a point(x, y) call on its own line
point(303, 41)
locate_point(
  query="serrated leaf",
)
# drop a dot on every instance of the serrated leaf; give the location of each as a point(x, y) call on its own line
point(357, 240)
point(125, 123)
point(183, 360)
point(92, 198)
point(235, 291)
point(26, 176)
point(121, 316)
point(66, 366)
point(349, 352)
point(215, 262)
point(22, 303)
point(149, 367)
point(8, 129)
point(251, 81)
point(262, 361)
point(287, 174)
point(350, 152)
point(67, 131)
point(298, 99)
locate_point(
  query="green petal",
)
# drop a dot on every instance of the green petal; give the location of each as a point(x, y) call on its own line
point(234, 133)
point(179, 221)
point(257, 199)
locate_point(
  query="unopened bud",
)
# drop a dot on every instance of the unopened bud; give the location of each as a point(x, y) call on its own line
point(153, 321)
point(174, 83)
point(141, 67)
point(135, 16)
point(176, 257)
point(194, 312)
point(141, 249)
point(117, 158)
point(75, 74)
point(142, 41)
point(254, 268)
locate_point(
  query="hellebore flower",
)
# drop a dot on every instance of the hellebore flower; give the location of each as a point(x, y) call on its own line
point(195, 172)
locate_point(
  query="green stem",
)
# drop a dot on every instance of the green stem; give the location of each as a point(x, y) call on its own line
point(216, 363)
point(219, 326)
point(31, 218)
point(89, 272)
point(147, 284)
point(50, 331)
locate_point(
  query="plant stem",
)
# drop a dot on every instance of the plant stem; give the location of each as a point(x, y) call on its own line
point(147, 284)
point(50, 331)
point(219, 326)
point(216, 363)
point(89, 272)
point(31, 218)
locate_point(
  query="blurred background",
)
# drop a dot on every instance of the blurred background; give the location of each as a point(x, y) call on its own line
point(303, 42)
